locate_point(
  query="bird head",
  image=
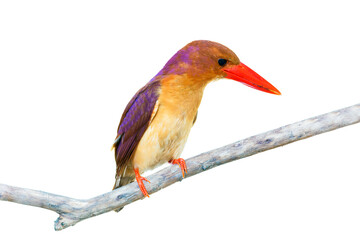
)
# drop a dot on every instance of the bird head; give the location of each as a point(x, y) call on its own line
point(204, 61)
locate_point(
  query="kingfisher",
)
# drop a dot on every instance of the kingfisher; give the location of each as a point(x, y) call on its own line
point(156, 123)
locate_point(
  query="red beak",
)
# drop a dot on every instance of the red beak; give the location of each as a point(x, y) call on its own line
point(247, 76)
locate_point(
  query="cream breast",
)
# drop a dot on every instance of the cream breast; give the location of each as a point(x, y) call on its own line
point(173, 117)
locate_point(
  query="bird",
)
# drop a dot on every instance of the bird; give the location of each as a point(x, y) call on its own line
point(156, 123)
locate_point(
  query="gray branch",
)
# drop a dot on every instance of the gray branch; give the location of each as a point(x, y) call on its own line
point(72, 210)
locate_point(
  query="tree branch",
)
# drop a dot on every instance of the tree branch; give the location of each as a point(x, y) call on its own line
point(72, 210)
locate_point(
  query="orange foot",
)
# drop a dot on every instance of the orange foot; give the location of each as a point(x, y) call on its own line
point(140, 180)
point(181, 162)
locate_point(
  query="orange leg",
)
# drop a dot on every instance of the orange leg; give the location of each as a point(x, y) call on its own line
point(181, 162)
point(140, 180)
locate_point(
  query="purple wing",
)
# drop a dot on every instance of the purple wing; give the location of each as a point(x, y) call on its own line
point(134, 122)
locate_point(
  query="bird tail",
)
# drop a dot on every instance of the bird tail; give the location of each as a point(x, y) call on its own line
point(125, 178)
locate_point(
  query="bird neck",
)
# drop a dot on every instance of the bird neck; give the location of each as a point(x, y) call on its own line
point(182, 94)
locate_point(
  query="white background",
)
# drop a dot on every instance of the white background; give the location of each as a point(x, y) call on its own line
point(68, 69)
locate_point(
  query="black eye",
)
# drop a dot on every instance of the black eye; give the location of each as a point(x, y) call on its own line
point(222, 62)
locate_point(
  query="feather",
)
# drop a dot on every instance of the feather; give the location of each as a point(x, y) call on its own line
point(135, 120)
point(116, 141)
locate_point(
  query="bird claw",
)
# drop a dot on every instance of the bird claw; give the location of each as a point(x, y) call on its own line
point(140, 180)
point(182, 164)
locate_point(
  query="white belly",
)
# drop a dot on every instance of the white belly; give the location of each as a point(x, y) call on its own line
point(164, 140)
